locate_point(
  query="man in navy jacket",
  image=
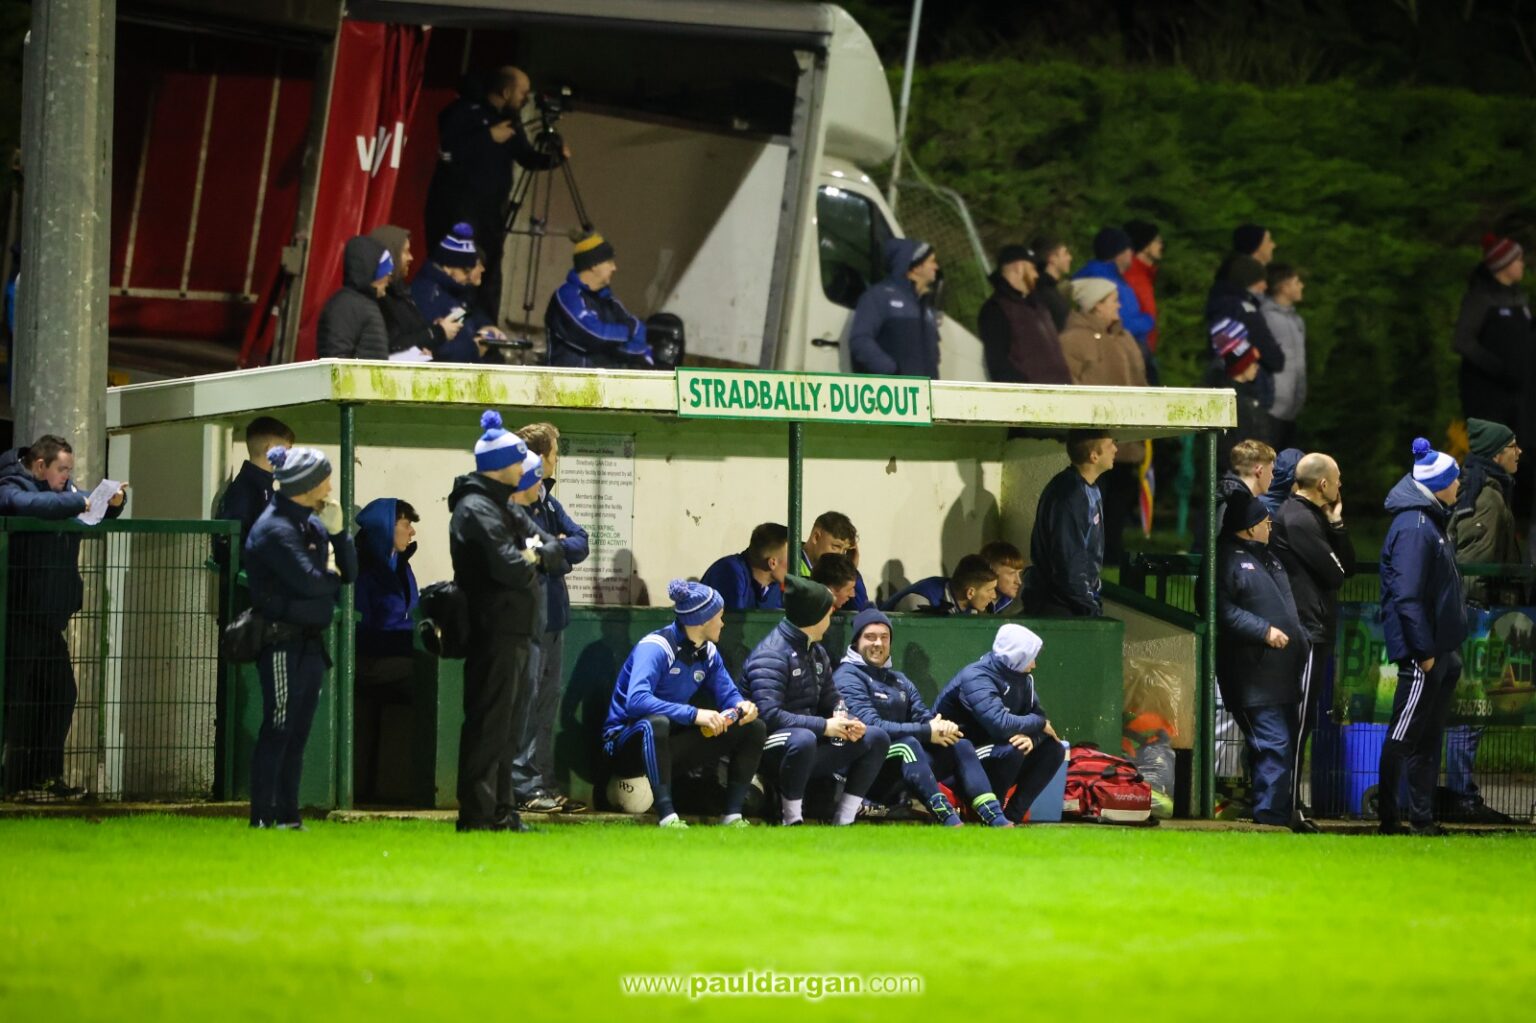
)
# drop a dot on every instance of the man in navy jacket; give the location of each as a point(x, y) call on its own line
point(971, 590)
point(994, 702)
point(1261, 654)
point(657, 723)
point(925, 747)
point(1424, 621)
point(533, 769)
point(1067, 543)
point(811, 734)
point(249, 493)
point(296, 593)
point(754, 579)
point(44, 593)
point(895, 331)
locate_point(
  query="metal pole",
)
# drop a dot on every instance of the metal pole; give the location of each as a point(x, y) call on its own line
point(906, 99)
point(346, 642)
point(796, 483)
point(66, 149)
point(1205, 722)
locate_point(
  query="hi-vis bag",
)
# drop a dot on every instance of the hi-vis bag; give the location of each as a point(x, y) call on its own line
point(1104, 787)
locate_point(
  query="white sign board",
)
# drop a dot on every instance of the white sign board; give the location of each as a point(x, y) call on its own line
point(596, 485)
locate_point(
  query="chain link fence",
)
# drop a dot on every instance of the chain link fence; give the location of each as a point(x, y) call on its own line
point(940, 216)
point(113, 681)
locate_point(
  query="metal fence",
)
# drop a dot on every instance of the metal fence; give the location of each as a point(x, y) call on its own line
point(1340, 777)
point(120, 699)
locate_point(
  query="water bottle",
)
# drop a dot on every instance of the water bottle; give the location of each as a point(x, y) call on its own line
point(841, 711)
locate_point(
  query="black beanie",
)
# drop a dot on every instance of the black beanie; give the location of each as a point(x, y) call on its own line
point(1110, 242)
point(1014, 254)
point(591, 249)
point(1241, 515)
point(805, 602)
point(1244, 271)
point(1142, 232)
point(1248, 237)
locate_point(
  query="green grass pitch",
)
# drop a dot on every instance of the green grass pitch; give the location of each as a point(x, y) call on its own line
point(157, 918)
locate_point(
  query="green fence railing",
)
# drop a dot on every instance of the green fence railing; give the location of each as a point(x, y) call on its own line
point(125, 698)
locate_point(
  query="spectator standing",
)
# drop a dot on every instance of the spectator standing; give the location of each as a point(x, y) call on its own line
point(533, 769)
point(585, 325)
point(1066, 547)
point(1284, 291)
point(1054, 261)
point(480, 136)
point(1482, 527)
point(1141, 274)
point(45, 591)
point(351, 323)
point(754, 579)
point(497, 552)
point(386, 633)
point(296, 593)
point(1236, 296)
point(1261, 655)
point(1234, 364)
point(249, 493)
point(1424, 621)
point(895, 331)
point(403, 319)
point(1018, 337)
point(1112, 256)
point(1311, 541)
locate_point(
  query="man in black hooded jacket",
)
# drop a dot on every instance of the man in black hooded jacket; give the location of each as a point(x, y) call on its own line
point(351, 324)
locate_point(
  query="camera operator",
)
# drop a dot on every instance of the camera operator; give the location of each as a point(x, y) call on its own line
point(480, 136)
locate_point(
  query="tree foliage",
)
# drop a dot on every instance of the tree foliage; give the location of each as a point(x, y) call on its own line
point(1378, 194)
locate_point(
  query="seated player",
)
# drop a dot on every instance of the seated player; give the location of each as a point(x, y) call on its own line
point(924, 746)
point(993, 700)
point(837, 573)
point(654, 729)
point(810, 735)
point(754, 579)
point(1008, 562)
point(970, 590)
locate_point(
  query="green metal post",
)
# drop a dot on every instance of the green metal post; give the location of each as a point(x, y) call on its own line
point(346, 641)
point(796, 481)
point(231, 583)
point(5, 589)
point(1205, 721)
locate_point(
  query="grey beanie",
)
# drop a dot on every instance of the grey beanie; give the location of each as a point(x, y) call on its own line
point(298, 470)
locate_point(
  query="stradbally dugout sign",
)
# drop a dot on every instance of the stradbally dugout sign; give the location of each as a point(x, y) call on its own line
point(809, 397)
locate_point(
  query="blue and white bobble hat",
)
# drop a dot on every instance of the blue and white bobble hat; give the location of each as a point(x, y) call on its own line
point(1435, 470)
point(694, 603)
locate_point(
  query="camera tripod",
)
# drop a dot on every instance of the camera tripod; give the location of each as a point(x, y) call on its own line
point(535, 189)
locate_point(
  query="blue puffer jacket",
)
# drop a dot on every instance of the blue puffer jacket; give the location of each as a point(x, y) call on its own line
point(992, 702)
point(790, 680)
point(1137, 322)
point(1423, 613)
point(436, 295)
point(386, 586)
point(285, 559)
point(1254, 594)
point(894, 332)
point(663, 675)
point(549, 515)
point(45, 587)
point(882, 698)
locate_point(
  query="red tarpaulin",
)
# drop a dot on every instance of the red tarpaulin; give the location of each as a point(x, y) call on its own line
point(377, 81)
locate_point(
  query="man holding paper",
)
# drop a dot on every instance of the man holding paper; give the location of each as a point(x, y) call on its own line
point(45, 592)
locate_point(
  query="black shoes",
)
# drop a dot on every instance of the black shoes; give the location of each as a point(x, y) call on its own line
point(1305, 826)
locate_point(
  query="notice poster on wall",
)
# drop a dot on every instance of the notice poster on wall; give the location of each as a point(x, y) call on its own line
point(597, 488)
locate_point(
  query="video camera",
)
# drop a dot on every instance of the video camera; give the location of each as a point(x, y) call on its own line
point(551, 105)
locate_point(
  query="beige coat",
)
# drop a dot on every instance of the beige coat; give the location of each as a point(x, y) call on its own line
point(1104, 358)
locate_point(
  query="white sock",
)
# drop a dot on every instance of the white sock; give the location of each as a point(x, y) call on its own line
point(847, 809)
point(730, 818)
point(791, 810)
point(667, 819)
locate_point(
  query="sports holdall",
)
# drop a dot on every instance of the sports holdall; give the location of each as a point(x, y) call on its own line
point(1104, 787)
point(443, 620)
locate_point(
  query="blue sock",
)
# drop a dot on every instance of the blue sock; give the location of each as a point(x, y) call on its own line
point(736, 797)
point(663, 796)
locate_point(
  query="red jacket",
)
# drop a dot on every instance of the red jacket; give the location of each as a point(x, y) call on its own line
point(1142, 277)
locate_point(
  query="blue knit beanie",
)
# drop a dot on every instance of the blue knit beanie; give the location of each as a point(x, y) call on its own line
point(694, 603)
point(497, 448)
point(1434, 469)
point(457, 249)
point(298, 470)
